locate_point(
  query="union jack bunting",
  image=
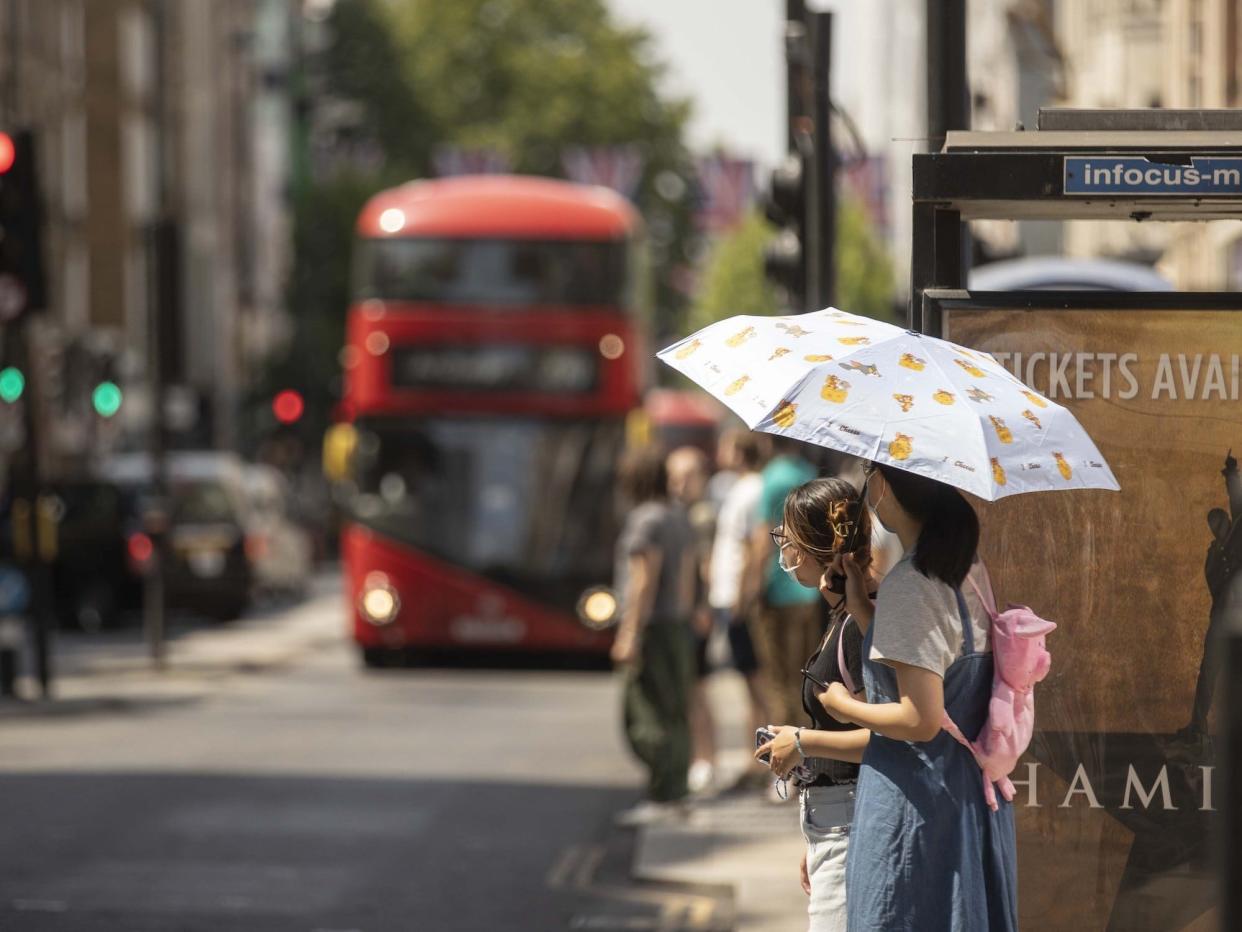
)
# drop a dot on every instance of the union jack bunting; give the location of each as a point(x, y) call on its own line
point(454, 160)
point(616, 167)
point(866, 179)
point(726, 191)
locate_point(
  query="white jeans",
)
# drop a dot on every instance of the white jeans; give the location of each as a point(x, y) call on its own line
point(827, 812)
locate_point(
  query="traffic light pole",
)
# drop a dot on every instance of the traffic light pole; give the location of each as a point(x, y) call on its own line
point(795, 69)
point(941, 250)
point(821, 261)
point(161, 250)
point(32, 517)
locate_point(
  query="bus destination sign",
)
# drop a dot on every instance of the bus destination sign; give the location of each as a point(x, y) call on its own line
point(496, 368)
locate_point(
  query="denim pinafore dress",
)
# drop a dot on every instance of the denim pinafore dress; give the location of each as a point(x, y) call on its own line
point(926, 852)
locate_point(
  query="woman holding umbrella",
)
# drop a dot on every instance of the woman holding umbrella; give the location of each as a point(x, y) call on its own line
point(926, 852)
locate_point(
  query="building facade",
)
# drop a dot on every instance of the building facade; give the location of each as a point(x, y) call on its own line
point(1204, 71)
point(162, 131)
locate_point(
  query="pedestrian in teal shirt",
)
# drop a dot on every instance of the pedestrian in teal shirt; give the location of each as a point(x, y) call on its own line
point(790, 622)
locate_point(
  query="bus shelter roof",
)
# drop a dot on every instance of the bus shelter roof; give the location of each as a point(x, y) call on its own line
point(1029, 175)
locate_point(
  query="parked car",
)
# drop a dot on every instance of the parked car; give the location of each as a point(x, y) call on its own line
point(208, 570)
point(278, 547)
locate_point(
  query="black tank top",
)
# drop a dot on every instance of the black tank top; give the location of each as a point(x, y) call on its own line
point(823, 664)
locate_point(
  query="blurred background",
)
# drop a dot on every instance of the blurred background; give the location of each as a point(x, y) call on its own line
point(324, 325)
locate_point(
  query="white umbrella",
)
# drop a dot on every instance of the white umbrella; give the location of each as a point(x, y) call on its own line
point(893, 396)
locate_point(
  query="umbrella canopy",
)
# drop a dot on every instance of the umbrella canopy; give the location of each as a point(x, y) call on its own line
point(893, 396)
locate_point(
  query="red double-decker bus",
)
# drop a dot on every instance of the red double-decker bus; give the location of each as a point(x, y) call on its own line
point(492, 358)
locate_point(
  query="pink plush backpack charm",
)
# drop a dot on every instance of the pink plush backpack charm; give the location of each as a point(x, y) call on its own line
point(1020, 660)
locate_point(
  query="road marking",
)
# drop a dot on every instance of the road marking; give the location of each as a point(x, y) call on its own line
point(613, 923)
point(688, 912)
point(563, 867)
point(589, 863)
point(41, 906)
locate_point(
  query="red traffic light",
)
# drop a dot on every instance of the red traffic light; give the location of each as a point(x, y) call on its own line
point(288, 406)
point(8, 152)
point(140, 547)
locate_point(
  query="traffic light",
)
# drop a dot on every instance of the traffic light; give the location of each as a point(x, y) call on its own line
point(12, 383)
point(21, 251)
point(784, 260)
point(288, 406)
point(107, 398)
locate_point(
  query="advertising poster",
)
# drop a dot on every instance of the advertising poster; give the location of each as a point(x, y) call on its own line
point(1115, 801)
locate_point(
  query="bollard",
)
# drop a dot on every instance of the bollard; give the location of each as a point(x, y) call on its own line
point(10, 647)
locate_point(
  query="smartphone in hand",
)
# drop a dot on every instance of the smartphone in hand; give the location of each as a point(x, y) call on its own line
point(762, 737)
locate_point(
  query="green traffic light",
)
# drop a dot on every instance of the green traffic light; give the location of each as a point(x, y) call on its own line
point(107, 399)
point(12, 384)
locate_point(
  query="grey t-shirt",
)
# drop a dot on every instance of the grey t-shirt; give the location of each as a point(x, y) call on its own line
point(664, 527)
point(917, 620)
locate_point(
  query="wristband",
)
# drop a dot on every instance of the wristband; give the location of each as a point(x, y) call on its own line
point(798, 742)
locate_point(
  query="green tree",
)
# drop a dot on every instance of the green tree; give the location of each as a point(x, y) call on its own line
point(864, 270)
point(733, 281)
point(530, 78)
point(363, 63)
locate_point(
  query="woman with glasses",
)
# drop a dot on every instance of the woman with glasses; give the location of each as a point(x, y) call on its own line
point(823, 519)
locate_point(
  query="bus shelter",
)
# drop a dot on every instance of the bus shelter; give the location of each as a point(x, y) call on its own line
point(1128, 800)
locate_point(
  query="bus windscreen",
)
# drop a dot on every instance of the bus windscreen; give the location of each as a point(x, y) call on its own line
point(493, 272)
point(510, 498)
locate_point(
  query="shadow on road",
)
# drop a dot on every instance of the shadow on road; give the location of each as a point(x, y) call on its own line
point(85, 706)
point(136, 851)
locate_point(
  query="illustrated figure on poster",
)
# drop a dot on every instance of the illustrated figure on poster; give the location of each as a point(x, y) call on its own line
point(1224, 558)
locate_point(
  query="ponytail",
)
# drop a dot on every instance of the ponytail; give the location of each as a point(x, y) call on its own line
point(950, 536)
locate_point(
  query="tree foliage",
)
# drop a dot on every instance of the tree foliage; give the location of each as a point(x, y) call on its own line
point(733, 280)
point(364, 63)
point(864, 271)
point(531, 78)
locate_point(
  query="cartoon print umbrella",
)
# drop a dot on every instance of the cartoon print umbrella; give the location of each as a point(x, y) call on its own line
point(890, 395)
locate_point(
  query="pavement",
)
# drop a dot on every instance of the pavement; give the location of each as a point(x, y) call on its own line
point(732, 863)
point(119, 663)
point(739, 839)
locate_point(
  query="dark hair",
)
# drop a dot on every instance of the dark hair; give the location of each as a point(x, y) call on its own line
point(642, 475)
point(787, 446)
point(950, 536)
point(820, 515)
point(748, 448)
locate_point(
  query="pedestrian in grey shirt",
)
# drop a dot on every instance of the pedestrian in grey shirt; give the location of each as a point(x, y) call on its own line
point(655, 576)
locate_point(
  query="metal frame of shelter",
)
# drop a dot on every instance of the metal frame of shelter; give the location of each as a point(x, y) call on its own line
point(1023, 176)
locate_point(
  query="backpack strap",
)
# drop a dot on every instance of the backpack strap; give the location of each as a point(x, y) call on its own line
point(968, 635)
point(841, 666)
point(989, 601)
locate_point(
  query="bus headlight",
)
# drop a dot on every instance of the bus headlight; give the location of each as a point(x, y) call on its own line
point(597, 608)
point(379, 602)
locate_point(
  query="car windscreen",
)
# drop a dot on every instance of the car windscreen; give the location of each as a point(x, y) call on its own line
point(202, 502)
point(493, 272)
point(511, 498)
